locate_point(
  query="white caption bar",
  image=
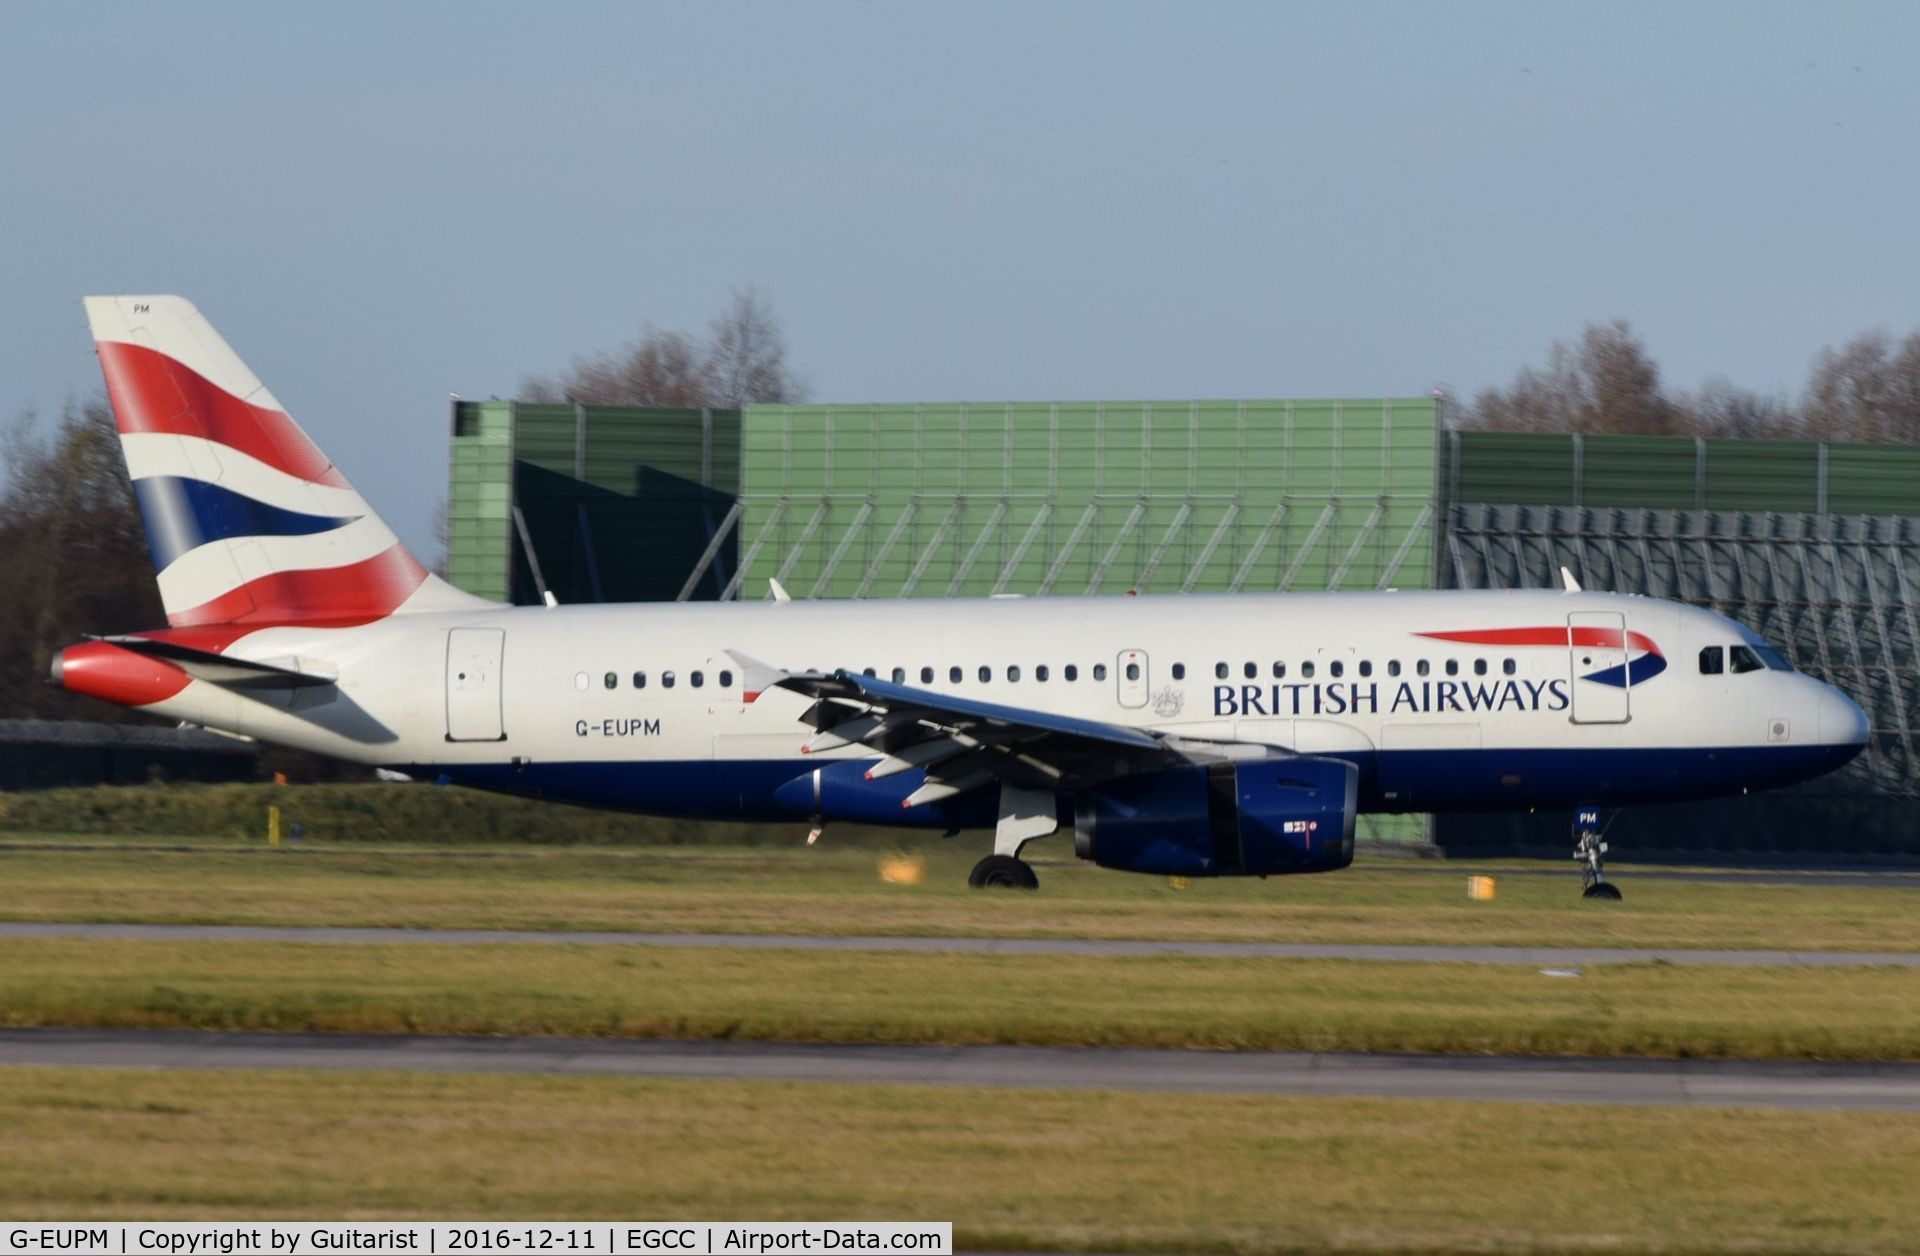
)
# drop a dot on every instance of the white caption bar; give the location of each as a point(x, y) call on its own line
point(461, 1238)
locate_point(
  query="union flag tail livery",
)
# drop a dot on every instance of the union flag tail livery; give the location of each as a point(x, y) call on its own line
point(1189, 736)
point(248, 522)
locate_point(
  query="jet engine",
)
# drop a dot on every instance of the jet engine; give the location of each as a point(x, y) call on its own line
point(1266, 817)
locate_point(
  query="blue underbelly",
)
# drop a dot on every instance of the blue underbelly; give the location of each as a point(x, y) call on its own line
point(1399, 780)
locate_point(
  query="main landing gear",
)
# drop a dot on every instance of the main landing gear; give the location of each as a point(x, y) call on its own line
point(1589, 850)
point(1003, 872)
point(1024, 815)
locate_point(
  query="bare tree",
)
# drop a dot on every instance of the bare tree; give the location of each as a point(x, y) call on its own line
point(1868, 389)
point(748, 356)
point(1606, 383)
point(1723, 408)
point(743, 360)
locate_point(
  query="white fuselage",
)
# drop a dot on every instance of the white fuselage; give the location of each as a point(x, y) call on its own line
point(647, 706)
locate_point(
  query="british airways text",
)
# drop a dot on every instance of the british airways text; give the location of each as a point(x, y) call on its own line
point(1371, 698)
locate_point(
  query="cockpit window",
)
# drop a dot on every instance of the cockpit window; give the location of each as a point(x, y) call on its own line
point(1742, 659)
point(1711, 663)
point(1771, 657)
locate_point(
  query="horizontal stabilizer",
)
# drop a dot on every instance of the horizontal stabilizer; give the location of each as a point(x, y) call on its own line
point(220, 669)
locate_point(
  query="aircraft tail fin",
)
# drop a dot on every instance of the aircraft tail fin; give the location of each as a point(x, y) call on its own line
point(248, 522)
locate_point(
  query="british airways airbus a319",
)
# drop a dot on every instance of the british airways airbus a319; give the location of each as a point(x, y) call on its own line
point(1194, 736)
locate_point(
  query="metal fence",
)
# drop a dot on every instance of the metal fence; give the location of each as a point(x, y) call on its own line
point(1834, 592)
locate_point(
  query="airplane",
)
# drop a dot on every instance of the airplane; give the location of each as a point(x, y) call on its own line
point(1193, 736)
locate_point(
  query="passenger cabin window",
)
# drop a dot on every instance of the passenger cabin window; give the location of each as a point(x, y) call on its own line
point(639, 680)
point(1711, 661)
point(1453, 667)
point(666, 680)
point(1013, 673)
point(868, 671)
point(726, 680)
point(1508, 666)
point(1306, 669)
point(1219, 671)
point(986, 675)
point(1179, 671)
point(611, 680)
point(1279, 671)
point(1040, 672)
point(1422, 667)
point(696, 679)
point(1250, 671)
point(1741, 659)
point(1071, 672)
point(1336, 668)
point(1393, 667)
point(1133, 671)
point(582, 681)
point(953, 675)
point(1479, 667)
point(899, 675)
point(1366, 667)
point(926, 675)
point(1099, 671)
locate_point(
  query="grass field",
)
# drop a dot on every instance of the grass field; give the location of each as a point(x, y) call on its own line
point(832, 889)
point(1645, 1010)
point(1036, 1170)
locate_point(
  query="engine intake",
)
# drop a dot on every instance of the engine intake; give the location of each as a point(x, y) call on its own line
point(1264, 818)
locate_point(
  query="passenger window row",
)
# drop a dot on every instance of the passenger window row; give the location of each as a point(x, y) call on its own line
point(1337, 668)
point(1744, 660)
point(667, 680)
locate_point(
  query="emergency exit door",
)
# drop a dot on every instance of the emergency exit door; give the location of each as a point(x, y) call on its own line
point(473, 684)
point(1601, 681)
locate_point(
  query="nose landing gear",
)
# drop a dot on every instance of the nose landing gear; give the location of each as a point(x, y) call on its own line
point(1589, 850)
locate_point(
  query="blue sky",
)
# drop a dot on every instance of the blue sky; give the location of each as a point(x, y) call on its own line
point(383, 204)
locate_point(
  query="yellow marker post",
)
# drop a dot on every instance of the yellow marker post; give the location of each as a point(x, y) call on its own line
point(1480, 889)
point(273, 826)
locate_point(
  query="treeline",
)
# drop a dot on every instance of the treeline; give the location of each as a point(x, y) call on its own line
point(73, 558)
point(1866, 390)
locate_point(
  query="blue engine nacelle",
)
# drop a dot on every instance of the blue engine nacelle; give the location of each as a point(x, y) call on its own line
point(1263, 818)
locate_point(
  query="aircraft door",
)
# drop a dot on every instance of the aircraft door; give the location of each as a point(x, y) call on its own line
point(473, 684)
point(1597, 655)
point(1130, 673)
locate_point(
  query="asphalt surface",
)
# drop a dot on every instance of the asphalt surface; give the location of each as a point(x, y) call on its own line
point(1685, 1083)
point(1532, 956)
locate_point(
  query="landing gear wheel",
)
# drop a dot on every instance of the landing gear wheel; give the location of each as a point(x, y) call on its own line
point(1002, 872)
point(1589, 850)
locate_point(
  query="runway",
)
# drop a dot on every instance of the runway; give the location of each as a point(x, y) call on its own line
point(1682, 1083)
point(1532, 956)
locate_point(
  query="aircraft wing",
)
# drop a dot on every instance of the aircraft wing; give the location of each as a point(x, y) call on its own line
point(964, 744)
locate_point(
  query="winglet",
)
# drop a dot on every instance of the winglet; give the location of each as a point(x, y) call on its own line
point(1568, 582)
point(778, 590)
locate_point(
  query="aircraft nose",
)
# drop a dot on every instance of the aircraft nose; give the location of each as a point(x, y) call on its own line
point(1842, 722)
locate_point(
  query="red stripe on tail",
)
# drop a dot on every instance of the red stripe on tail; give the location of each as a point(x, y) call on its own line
point(338, 597)
point(152, 392)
